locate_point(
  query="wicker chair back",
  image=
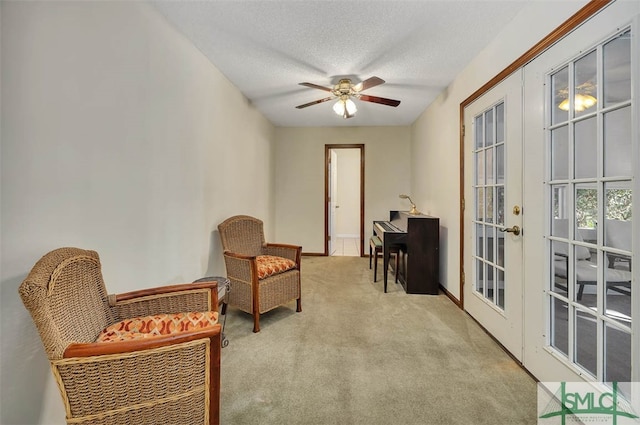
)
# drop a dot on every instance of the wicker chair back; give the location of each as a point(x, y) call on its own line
point(242, 234)
point(67, 298)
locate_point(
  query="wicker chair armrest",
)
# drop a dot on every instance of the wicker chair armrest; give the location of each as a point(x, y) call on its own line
point(241, 267)
point(292, 252)
point(106, 348)
point(200, 296)
point(239, 256)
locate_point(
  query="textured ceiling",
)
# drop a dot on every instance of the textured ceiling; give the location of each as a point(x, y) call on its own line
point(266, 47)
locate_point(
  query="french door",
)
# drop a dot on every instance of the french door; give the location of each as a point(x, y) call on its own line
point(581, 130)
point(554, 149)
point(493, 218)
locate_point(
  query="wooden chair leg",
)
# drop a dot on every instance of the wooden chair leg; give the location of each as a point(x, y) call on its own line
point(256, 322)
point(370, 254)
point(397, 264)
point(299, 305)
point(384, 290)
point(375, 265)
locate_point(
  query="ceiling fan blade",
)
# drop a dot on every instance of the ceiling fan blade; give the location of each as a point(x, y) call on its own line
point(381, 100)
point(315, 86)
point(368, 83)
point(315, 102)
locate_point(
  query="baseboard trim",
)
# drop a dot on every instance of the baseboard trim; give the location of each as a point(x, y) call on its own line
point(451, 297)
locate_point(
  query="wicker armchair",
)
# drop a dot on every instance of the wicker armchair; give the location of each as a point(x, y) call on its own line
point(171, 378)
point(263, 275)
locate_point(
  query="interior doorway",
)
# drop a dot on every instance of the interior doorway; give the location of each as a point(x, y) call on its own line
point(344, 200)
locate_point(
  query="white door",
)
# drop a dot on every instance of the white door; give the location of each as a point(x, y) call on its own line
point(581, 147)
point(493, 213)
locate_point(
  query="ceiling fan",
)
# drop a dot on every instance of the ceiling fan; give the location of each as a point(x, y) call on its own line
point(344, 91)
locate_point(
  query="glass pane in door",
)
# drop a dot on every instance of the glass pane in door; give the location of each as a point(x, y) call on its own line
point(617, 143)
point(560, 153)
point(559, 325)
point(500, 205)
point(618, 231)
point(479, 273)
point(489, 213)
point(618, 349)
point(617, 69)
point(560, 268)
point(500, 288)
point(585, 147)
point(488, 128)
point(586, 334)
point(586, 211)
point(490, 293)
point(585, 84)
point(560, 90)
point(478, 122)
point(480, 203)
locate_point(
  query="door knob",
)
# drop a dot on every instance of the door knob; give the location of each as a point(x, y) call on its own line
point(515, 230)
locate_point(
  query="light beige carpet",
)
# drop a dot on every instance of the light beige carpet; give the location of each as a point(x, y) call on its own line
point(355, 355)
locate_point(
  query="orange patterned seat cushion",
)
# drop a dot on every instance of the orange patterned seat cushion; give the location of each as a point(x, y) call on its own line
point(157, 325)
point(268, 265)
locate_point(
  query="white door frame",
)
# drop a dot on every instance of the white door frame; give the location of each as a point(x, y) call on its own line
point(327, 193)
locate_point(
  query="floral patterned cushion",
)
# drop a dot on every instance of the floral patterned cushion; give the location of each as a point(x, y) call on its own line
point(160, 324)
point(268, 265)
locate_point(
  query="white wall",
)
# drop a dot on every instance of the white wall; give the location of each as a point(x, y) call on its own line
point(435, 152)
point(118, 136)
point(299, 178)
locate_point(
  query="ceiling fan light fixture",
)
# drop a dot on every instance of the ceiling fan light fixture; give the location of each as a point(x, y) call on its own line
point(581, 102)
point(345, 104)
point(344, 91)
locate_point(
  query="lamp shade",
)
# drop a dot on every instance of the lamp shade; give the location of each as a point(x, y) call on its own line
point(345, 104)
